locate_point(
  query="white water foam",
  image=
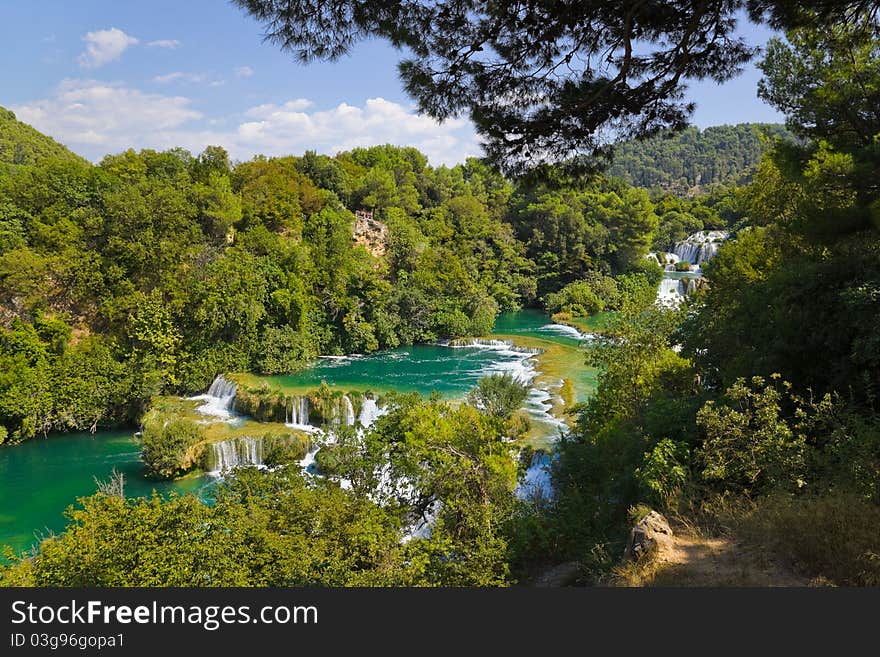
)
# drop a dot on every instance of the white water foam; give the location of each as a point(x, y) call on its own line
point(219, 400)
point(566, 331)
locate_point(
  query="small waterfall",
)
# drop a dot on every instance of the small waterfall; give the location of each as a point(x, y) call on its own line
point(219, 399)
point(494, 345)
point(234, 453)
point(672, 291)
point(537, 483)
point(370, 412)
point(297, 412)
point(701, 246)
point(348, 411)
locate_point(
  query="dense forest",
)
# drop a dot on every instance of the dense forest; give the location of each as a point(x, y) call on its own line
point(151, 272)
point(21, 144)
point(692, 161)
point(750, 411)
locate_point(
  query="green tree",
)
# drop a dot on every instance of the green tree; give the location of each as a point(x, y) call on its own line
point(499, 395)
point(825, 82)
point(542, 83)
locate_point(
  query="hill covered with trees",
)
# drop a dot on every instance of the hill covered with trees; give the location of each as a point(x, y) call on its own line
point(690, 161)
point(152, 272)
point(22, 144)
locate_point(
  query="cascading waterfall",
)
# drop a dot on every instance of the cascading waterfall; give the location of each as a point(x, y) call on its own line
point(701, 246)
point(537, 483)
point(219, 399)
point(370, 412)
point(664, 259)
point(235, 453)
point(348, 418)
point(297, 412)
point(672, 291)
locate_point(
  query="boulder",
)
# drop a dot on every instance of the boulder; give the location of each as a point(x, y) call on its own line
point(651, 531)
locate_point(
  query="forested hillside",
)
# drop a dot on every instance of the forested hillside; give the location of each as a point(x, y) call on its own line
point(153, 272)
point(21, 144)
point(689, 161)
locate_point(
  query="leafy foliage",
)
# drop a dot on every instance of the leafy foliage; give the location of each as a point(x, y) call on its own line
point(20, 144)
point(694, 160)
point(544, 82)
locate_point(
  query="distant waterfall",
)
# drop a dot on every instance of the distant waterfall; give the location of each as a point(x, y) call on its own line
point(370, 412)
point(235, 453)
point(666, 260)
point(348, 411)
point(220, 398)
point(672, 291)
point(495, 345)
point(537, 482)
point(297, 413)
point(701, 246)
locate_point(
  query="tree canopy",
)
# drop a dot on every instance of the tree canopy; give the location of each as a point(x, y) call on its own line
point(21, 144)
point(545, 82)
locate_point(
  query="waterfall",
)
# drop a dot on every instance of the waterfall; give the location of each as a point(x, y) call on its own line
point(701, 246)
point(664, 259)
point(536, 484)
point(370, 411)
point(672, 291)
point(297, 412)
point(494, 345)
point(219, 399)
point(234, 453)
point(348, 415)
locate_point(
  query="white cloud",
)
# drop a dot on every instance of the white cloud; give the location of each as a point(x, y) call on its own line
point(171, 44)
point(103, 46)
point(291, 128)
point(97, 118)
point(179, 76)
point(269, 110)
point(244, 72)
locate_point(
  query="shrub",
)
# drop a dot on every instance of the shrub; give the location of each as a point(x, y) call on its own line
point(749, 446)
point(498, 395)
point(664, 470)
point(171, 444)
point(283, 449)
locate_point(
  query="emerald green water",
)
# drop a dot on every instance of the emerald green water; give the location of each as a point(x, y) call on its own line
point(449, 371)
point(40, 478)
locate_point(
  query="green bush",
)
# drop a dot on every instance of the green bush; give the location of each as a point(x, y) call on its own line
point(749, 445)
point(170, 444)
point(664, 471)
point(284, 449)
point(499, 395)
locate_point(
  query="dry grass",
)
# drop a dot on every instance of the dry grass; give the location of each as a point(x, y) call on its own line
point(694, 559)
point(821, 540)
point(834, 537)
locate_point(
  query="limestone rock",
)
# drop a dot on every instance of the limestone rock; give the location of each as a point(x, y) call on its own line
point(651, 531)
point(370, 233)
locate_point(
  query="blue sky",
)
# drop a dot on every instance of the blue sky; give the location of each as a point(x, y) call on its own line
point(102, 76)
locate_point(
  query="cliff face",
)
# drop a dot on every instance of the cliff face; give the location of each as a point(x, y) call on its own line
point(370, 233)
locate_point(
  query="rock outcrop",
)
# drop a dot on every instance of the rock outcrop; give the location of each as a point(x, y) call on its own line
point(370, 233)
point(650, 532)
